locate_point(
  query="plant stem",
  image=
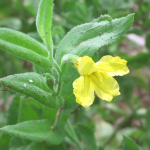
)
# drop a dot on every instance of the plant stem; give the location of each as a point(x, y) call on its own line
point(58, 115)
point(59, 74)
point(58, 87)
point(56, 66)
point(59, 112)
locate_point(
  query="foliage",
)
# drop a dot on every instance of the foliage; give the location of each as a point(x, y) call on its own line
point(37, 105)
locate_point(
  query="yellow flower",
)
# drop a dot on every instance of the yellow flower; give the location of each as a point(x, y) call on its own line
point(98, 77)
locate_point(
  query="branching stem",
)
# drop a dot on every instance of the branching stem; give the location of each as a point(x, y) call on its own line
point(57, 119)
point(59, 112)
point(56, 66)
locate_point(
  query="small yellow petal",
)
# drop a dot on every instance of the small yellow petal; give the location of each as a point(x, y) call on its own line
point(106, 87)
point(113, 66)
point(83, 90)
point(85, 65)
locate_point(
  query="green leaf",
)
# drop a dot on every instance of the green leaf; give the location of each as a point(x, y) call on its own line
point(32, 110)
point(57, 147)
point(33, 85)
point(44, 22)
point(69, 73)
point(36, 146)
point(87, 38)
point(43, 146)
point(38, 130)
point(24, 46)
point(29, 109)
point(129, 144)
point(69, 58)
point(69, 98)
point(41, 71)
point(12, 117)
point(87, 136)
point(4, 142)
point(17, 143)
point(72, 135)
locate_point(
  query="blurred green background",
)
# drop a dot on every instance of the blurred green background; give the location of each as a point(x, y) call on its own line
point(129, 113)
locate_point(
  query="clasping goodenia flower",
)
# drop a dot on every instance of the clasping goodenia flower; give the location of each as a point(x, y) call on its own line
point(98, 77)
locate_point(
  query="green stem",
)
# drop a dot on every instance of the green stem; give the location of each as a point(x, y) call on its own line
point(59, 78)
point(56, 66)
point(58, 115)
point(58, 87)
point(72, 135)
point(59, 112)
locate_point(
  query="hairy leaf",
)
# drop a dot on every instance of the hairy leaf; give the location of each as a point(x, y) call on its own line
point(87, 38)
point(24, 46)
point(29, 109)
point(44, 22)
point(38, 130)
point(33, 85)
point(12, 117)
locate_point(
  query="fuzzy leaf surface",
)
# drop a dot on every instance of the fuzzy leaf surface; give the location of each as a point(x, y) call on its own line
point(44, 22)
point(24, 46)
point(87, 38)
point(33, 85)
point(29, 109)
point(38, 131)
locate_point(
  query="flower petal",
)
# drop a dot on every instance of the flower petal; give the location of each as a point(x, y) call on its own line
point(106, 87)
point(84, 91)
point(113, 65)
point(85, 65)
